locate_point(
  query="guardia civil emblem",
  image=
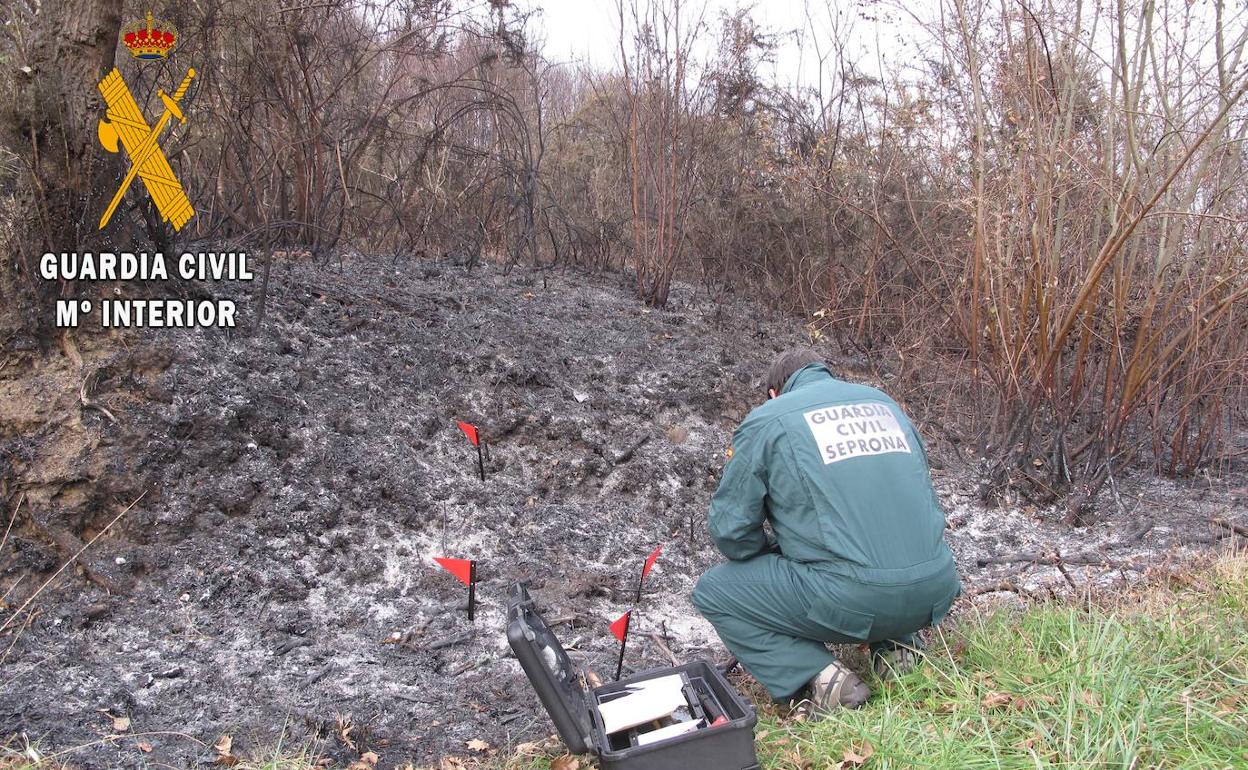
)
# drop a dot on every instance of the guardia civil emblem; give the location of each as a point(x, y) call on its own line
point(123, 126)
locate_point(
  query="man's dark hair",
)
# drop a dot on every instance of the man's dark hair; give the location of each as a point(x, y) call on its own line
point(786, 364)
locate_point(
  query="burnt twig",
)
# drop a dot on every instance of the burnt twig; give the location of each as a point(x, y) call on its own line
point(658, 642)
point(1082, 559)
point(8, 621)
point(1004, 586)
point(1057, 557)
point(450, 641)
point(1231, 526)
point(318, 675)
point(628, 453)
point(290, 644)
point(1134, 536)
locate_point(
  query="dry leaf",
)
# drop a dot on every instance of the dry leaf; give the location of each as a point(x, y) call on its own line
point(996, 699)
point(224, 744)
point(367, 761)
point(476, 744)
point(452, 763)
point(121, 724)
point(1227, 706)
point(145, 747)
point(678, 434)
point(345, 726)
point(566, 762)
point(857, 757)
point(227, 760)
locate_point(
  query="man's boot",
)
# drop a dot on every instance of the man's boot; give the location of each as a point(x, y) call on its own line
point(836, 686)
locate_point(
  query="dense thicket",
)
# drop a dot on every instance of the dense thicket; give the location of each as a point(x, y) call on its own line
point(1036, 228)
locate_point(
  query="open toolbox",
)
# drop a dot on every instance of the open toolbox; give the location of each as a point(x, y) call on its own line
point(709, 725)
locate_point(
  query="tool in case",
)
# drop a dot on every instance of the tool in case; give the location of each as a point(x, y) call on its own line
point(711, 726)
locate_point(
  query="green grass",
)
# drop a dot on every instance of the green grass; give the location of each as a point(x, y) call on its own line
point(1157, 679)
point(1158, 684)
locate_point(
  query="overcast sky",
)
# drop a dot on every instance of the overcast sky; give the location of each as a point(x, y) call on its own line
point(586, 31)
point(880, 36)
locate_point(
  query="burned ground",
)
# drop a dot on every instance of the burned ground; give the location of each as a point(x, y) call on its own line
point(274, 579)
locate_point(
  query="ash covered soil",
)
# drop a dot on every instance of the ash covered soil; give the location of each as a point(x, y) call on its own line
point(276, 582)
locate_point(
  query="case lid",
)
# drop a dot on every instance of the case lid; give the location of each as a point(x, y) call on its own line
point(550, 670)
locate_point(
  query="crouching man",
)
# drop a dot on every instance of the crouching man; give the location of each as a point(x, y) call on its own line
point(856, 551)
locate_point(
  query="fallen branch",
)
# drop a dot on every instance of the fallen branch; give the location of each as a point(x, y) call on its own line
point(1231, 526)
point(450, 641)
point(1083, 559)
point(1025, 556)
point(1062, 569)
point(1005, 586)
point(290, 644)
point(318, 675)
point(628, 453)
point(465, 668)
point(9, 620)
point(68, 544)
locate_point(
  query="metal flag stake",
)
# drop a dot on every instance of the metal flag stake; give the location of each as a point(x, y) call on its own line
point(466, 571)
point(620, 629)
point(645, 570)
point(474, 436)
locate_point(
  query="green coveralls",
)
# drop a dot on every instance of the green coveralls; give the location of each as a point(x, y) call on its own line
point(858, 553)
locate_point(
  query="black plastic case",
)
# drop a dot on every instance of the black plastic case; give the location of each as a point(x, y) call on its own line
point(573, 708)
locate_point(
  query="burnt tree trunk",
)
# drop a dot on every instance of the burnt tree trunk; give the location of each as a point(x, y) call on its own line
point(55, 54)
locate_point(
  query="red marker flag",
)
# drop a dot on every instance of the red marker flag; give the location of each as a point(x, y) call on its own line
point(470, 431)
point(645, 569)
point(620, 629)
point(620, 626)
point(460, 568)
point(650, 560)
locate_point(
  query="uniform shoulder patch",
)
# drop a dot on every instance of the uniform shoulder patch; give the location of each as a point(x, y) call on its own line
point(860, 429)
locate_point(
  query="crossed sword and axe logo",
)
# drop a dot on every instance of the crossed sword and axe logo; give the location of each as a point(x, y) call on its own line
point(124, 123)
